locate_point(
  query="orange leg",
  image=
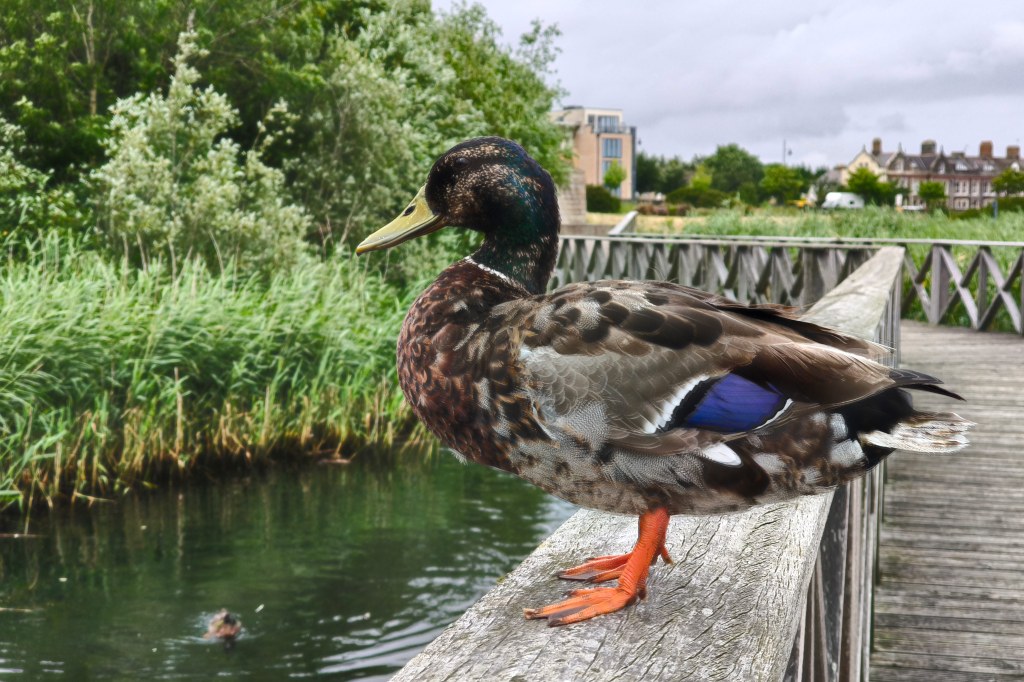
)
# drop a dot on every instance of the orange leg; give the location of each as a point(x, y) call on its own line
point(631, 570)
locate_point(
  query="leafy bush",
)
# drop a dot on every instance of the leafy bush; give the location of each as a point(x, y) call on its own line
point(600, 200)
point(27, 202)
point(175, 185)
point(701, 197)
point(400, 91)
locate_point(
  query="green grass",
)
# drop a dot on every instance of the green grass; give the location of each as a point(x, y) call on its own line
point(870, 223)
point(113, 377)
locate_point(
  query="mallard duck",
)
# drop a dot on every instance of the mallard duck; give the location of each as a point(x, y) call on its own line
point(644, 398)
point(223, 626)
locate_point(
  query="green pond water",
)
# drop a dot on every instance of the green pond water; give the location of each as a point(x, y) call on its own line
point(344, 572)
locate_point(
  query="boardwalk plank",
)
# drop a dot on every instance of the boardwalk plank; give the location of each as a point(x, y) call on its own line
point(949, 604)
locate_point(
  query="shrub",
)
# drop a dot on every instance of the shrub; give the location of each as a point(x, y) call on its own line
point(700, 197)
point(27, 203)
point(175, 185)
point(600, 200)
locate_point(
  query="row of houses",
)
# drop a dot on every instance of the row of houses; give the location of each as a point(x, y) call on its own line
point(600, 138)
point(968, 179)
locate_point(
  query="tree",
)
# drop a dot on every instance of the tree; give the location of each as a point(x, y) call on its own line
point(63, 64)
point(933, 194)
point(863, 182)
point(505, 87)
point(174, 183)
point(731, 166)
point(699, 193)
point(28, 204)
point(1010, 181)
point(614, 176)
point(673, 174)
point(781, 182)
point(378, 88)
point(648, 173)
point(660, 174)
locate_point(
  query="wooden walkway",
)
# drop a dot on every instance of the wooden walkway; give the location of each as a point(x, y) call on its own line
point(950, 600)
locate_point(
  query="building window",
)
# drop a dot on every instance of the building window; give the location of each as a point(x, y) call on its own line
point(611, 147)
point(607, 124)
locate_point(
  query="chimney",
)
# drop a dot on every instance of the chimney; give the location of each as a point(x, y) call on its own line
point(985, 149)
point(876, 147)
point(1013, 152)
point(928, 147)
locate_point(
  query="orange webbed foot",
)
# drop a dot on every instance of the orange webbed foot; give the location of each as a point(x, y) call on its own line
point(585, 604)
point(631, 570)
point(604, 568)
point(598, 569)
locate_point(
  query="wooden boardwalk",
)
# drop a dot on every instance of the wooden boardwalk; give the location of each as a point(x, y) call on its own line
point(950, 600)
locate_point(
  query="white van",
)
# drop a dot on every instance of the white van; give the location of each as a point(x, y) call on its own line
point(842, 200)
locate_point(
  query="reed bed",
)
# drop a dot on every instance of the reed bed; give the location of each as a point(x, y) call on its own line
point(112, 377)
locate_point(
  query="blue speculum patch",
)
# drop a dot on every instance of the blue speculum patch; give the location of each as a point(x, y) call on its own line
point(735, 404)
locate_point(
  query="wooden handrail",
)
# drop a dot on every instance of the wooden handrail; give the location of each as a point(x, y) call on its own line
point(730, 607)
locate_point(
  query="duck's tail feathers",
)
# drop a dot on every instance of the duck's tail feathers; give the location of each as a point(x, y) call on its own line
point(908, 378)
point(924, 432)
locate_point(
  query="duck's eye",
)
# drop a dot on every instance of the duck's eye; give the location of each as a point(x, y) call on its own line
point(461, 161)
point(409, 210)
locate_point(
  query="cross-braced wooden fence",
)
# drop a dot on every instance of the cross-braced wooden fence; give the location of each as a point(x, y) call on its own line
point(741, 269)
point(980, 279)
point(956, 282)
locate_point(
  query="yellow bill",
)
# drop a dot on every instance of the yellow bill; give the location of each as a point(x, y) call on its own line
point(415, 221)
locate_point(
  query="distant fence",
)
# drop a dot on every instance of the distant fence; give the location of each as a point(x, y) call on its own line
point(966, 283)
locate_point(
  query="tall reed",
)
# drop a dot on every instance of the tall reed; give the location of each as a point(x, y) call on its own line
point(112, 376)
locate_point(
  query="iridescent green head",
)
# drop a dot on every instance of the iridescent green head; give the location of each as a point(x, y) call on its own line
point(492, 186)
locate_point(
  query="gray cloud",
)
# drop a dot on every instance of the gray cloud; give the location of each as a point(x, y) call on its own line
point(827, 76)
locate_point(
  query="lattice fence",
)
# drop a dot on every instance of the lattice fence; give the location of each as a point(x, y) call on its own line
point(977, 281)
point(964, 283)
point(746, 271)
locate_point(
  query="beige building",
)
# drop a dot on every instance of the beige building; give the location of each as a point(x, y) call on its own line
point(968, 179)
point(600, 139)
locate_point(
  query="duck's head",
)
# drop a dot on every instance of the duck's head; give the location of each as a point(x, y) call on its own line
point(492, 186)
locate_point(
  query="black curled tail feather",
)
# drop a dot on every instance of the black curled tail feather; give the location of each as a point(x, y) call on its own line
point(908, 378)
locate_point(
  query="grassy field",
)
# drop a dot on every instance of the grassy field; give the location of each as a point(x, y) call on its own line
point(870, 222)
point(113, 377)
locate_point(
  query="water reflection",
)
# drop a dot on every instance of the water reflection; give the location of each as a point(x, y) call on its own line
point(344, 572)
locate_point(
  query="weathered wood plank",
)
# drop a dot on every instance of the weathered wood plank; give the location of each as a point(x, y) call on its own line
point(727, 610)
point(709, 638)
point(891, 665)
point(950, 600)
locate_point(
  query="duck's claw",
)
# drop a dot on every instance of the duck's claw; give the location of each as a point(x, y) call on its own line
point(598, 569)
point(585, 604)
point(603, 568)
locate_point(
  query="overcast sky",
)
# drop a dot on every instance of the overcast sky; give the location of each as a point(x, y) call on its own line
point(825, 76)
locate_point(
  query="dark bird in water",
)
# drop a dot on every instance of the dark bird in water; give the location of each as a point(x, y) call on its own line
point(644, 398)
point(223, 626)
